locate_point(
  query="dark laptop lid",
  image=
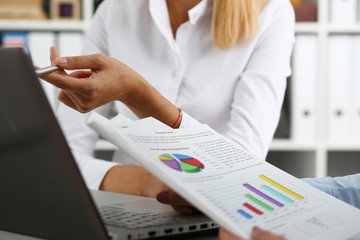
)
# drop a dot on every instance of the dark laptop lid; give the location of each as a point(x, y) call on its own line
point(42, 191)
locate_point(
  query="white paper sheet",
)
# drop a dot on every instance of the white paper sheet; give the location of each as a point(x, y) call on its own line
point(229, 184)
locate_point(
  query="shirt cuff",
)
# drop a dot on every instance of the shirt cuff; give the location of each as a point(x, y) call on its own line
point(319, 183)
point(344, 188)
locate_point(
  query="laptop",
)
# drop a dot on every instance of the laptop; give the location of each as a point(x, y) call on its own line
point(42, 191)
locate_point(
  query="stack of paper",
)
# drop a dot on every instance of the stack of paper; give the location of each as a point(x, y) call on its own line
point(227, 183)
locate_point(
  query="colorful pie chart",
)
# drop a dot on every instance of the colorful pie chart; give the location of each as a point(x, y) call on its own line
point(180, 162)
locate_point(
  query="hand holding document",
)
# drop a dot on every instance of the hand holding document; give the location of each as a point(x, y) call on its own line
point(228, 184)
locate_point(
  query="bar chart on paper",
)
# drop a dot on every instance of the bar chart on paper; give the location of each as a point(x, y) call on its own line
point(264, 200)
point(266, 195)
point(261, 198)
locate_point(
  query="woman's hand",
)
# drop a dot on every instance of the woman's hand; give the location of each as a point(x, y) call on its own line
point(105, 80)
point(256, 234)
point(179, 204)
point(102, 79)
point(131, 179)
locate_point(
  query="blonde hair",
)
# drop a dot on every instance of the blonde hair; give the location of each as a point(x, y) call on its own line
point(233, 20)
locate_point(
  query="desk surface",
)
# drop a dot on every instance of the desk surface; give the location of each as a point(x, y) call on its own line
point(103, 198)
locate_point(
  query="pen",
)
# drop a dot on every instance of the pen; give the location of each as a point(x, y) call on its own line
point(46, 70)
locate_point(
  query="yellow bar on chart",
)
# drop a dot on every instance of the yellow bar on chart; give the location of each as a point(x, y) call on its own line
point(281, 187)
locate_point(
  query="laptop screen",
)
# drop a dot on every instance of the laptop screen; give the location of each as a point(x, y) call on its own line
point(42, 191)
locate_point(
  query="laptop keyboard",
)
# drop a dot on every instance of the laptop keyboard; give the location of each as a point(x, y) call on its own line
point(121, 217)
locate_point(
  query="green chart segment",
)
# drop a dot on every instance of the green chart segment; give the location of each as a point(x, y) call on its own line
point(180, 162)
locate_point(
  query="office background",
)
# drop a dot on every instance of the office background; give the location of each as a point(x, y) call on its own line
point(319, 129)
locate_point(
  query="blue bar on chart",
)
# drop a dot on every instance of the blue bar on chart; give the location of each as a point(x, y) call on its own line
point(245, 214)
point(276, 193)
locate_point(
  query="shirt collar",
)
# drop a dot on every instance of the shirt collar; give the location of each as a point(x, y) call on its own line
point(199, 10)
point(160, 15)
point(194, 14)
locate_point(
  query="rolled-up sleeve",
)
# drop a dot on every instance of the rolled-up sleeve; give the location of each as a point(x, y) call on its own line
point(345, 188)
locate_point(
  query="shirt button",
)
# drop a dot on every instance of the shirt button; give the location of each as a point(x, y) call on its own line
point(194, 16)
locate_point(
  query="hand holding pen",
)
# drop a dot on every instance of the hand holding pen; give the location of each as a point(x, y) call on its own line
point(42, 71)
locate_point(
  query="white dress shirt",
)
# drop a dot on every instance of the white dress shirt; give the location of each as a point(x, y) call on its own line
point(238, 91)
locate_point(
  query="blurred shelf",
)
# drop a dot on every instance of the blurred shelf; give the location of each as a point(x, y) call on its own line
point(42, 25)
point(289, 145)
point(352, 29)
point(351, 147)
point(308, 27)
point(315, 28)
point(81, 25)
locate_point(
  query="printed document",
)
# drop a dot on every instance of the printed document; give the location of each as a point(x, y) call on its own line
point(227, 183)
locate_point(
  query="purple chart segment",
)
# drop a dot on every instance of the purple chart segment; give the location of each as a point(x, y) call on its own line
point(173, 164)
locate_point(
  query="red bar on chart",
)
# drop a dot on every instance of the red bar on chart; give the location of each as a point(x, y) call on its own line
point(255, 210)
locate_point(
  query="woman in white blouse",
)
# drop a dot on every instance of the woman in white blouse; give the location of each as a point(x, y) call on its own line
point(222, 62)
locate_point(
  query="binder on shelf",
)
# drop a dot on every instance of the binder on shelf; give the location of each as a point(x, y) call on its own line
point(355, 92)
point(65, 9)
point(39, 46)
point(97, 3)
point(283, 128)
point(340, 74)
point(343, 11)
point(14, 39)
point(303, 89)
point(305, 12)
point(21, 9)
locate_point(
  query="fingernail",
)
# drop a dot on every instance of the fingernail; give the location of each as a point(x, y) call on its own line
point(51, 50)
point(163, 197)
point(256, 228)
point(62, 61)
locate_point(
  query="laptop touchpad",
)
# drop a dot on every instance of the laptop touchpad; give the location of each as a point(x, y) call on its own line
point(144, 205)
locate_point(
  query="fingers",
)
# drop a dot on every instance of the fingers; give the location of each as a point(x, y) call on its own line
point(81, 74)
point(75, 101)
point(68, 82)
point(258, 234)
point(54, 55)
point(94, 62)
point(226, 235)
point(63, 97)
point(177, 203)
